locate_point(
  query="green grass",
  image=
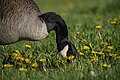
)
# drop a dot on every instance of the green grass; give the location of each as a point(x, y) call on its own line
point(81, 16)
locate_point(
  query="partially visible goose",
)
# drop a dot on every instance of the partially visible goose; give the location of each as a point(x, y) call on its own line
point(22, 20)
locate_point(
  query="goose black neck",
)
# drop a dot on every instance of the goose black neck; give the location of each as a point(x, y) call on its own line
point(61, 35)
point(56, 23)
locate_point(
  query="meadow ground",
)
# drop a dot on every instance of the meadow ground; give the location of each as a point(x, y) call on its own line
point(94, 28)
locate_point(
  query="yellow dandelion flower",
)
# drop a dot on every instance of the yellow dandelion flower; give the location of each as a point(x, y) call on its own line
point(112, 55)
point(113, 22)
point(104, 43)
point(98, 27)
point(100, 53)
point(22, 69)
point(17, 51)
point(110, 47)
point(27, 60)
point(34, 65)
point(22, 59)
point(81, 54)
point(86, 48)
point(8, 65)
point(28, 46)
point(70, 57)
point(93, 58)
point(16, 55)
point(94, 52)
point(106, 65)
point(43, 60)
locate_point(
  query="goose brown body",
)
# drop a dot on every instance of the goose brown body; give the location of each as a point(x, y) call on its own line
point(19, 20)
point(22, 19)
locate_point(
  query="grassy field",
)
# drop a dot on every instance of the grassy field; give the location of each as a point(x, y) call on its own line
point(94, 28)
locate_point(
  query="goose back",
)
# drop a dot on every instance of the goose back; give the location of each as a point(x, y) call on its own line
point(19, 20)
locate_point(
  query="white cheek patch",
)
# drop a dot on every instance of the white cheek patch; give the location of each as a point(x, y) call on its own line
point(63, 52)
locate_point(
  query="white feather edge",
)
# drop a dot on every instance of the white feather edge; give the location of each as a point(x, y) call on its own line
point(63, 53)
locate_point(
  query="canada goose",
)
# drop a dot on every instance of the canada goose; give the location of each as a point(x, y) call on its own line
point(22, 20)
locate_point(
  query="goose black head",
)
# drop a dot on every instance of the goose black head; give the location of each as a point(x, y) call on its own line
point(68, 52)
point(56, 23)
point(72, 51)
